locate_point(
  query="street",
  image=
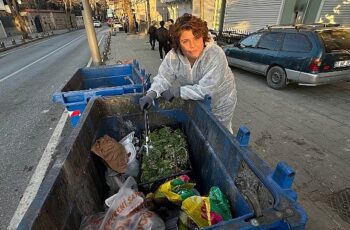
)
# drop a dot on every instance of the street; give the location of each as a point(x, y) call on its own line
point(307, 127)
point(29, 75)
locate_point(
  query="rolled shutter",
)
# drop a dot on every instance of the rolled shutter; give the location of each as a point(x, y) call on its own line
point(251, 15)
point(335, 11)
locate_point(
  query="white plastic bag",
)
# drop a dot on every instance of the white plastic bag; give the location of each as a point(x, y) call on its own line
point(129, 146)
point(126, 212)
point(114, 180)
point(129, 184)
point(133, 164)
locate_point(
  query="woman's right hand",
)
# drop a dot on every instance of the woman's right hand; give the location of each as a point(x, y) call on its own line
point(147, 100)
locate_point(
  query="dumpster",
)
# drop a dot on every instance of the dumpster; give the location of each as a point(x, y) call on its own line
point(259, 197)
point(89, 82)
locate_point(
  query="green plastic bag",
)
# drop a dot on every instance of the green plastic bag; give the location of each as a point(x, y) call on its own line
point(219, 203)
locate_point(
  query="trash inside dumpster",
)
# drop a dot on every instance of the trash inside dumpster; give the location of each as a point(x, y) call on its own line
point(167, 155)
point(89, 82)
point(226, 173)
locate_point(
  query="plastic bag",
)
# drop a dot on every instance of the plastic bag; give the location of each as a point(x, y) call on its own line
point(219, 203)
point(140, 220)
point(133, 167)
point(129, 186)
point(185, 222)
point(114, 180)
point(198, 209)
point(129, 146)
point(176, 190)
point(126, 210)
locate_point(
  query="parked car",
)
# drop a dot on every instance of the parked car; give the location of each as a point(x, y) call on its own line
point(305, 54)
point(117, 25)
point(97, 24)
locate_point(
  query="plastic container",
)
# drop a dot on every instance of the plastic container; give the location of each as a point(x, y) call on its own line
point(260, 198)
point(90, 82)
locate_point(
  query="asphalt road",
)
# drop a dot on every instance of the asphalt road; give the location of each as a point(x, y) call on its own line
point(307, 127)
point(29, 75)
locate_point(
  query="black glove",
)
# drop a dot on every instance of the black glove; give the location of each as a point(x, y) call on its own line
point(147, 101)
point(170, 94)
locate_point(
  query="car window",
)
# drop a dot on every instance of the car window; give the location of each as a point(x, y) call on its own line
point(335, 39)
point(295, 42)
point(251, 41)
point(270, 41)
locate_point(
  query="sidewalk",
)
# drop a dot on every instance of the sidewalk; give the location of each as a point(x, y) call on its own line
point(8, 42)
point(134, 46)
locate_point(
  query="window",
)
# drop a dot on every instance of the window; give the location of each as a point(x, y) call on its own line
point(294, 42)
point(270, 41)
point(251, 41)
point(335, 39)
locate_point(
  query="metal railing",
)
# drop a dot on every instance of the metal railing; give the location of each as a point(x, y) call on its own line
point(229, 36)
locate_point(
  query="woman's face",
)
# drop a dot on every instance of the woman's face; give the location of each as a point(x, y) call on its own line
point(191, 46)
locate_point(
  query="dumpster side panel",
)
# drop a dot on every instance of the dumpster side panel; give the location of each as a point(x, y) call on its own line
point(105, 71)
point(73, 188)
point(108, 81)
point(209, 168)
point(75, 83)
point(257, 174)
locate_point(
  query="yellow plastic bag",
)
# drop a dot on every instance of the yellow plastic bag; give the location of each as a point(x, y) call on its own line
point(198, 209)
point(165, 190)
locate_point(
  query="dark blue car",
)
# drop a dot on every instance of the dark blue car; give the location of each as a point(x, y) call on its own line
point(307, 54)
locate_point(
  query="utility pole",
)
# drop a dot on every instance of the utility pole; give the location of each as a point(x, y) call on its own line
point(90, 32)
point(222, 16)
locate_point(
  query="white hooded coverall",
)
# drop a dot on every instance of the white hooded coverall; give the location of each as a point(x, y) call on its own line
point(209, 75)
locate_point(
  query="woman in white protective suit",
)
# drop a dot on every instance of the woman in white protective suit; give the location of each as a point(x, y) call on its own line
point(195, 67)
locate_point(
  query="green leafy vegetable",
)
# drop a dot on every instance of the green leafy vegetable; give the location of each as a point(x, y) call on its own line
point(167, 156)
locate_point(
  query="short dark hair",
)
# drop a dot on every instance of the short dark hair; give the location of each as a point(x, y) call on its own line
point(189, 22)
point(162, 23)
point(171, 20)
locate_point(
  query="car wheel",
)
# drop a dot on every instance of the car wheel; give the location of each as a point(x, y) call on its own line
point(276, 78)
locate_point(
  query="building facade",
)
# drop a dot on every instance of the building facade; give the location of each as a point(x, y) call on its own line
point(47, 20)
point(251, 15)
point(177, 8)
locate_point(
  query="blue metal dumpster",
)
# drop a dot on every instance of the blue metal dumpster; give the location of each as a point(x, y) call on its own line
point(90, 82)
point(259, 197)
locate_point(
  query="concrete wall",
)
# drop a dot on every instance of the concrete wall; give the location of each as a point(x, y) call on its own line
point(288, 11)
point(177, 9)
point(50, 20)
point(312, 10)
point(2, 31)
point(209, 13)
point(307, 11)
point(158, 10)
point(80, 21)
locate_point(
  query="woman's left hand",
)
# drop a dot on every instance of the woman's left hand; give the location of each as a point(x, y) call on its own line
point(170, 94)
